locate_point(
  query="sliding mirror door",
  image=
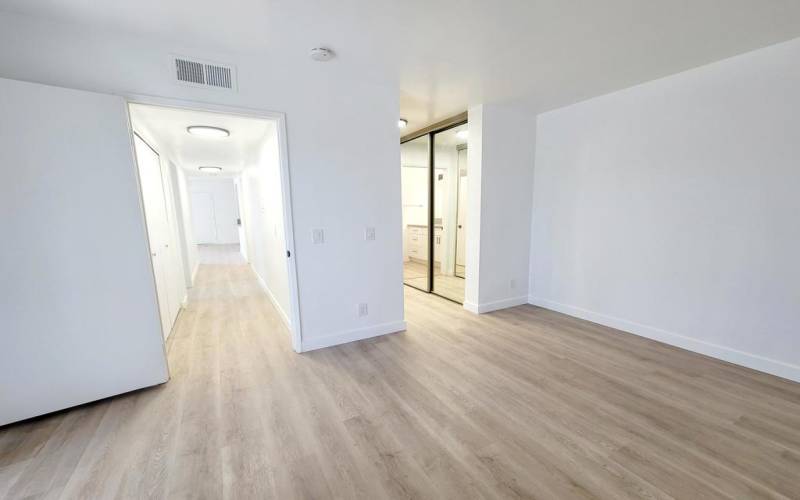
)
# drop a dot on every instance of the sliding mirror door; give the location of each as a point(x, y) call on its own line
point(449, 211)
point(415, 178)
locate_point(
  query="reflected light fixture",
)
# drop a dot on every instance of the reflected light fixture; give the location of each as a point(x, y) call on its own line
point(208, 131)
point(402, 123)
point(462, 134)
point(211, 170)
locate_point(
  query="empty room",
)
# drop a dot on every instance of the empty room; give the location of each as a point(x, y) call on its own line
point(367, 250)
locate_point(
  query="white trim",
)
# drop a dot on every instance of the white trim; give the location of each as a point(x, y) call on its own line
point(288, 235)
point(281, 312)
point(471, 307)
point(353, 335)
point(295, 327)
point(194, 271)
point(749, 360)
point(495, 305)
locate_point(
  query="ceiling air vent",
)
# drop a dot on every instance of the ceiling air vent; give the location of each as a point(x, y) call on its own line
point(197, 73)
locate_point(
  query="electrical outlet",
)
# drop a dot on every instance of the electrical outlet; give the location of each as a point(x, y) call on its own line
point(369, 234)
point(317, 236)
point(513, 284)
point(362, 309)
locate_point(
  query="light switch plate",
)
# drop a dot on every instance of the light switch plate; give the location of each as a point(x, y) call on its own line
point(369, 234)
point(317, 236)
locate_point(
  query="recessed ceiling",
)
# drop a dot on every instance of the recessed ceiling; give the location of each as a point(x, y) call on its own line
point(447, 55)
point(167, 126)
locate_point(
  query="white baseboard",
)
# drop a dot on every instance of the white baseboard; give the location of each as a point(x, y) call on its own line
point(495, 305)
point(281, 312)
point(471, 307)
point(194, 272)
point(749, 360)
point(352, 335)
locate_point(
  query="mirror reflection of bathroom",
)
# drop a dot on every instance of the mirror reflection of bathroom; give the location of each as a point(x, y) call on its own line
point(434, 197)
point(449, 212)
point(414, 178)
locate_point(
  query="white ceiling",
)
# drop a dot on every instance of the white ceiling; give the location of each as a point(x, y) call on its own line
point(445, 55)
point(167, 127)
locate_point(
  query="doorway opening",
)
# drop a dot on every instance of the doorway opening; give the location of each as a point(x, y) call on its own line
point(215, 191)
point(433, 166)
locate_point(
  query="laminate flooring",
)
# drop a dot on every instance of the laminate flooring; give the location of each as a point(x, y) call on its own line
point(520, 403)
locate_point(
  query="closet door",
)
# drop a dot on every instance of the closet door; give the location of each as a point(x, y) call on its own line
point(78, 316)
point(155, 211)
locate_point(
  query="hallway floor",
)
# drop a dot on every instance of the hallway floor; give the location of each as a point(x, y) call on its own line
point(520, 403)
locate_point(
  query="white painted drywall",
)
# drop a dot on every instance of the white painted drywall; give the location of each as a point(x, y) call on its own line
point(500, 170)
point(78, 314)
point(183, 209)
point(218, 225)
point(341, 181)
point(670, 210)
point(262, 220)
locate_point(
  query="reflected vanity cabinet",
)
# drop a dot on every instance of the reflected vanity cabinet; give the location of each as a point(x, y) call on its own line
point(417, 242)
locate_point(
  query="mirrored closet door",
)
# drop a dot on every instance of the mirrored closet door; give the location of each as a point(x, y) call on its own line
point(434, 194)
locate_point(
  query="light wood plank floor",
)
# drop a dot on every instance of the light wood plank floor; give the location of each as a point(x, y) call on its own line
point(416, 275)
point(521, 403)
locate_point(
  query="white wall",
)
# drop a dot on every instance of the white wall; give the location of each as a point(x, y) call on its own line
point(183, 208)
point(78, 313)
point(222, 223)
point(341, 181)
point(670, 210)
point(262, 220)
point(500, 171)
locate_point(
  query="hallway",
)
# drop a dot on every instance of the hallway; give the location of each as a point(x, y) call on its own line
point(519, 403)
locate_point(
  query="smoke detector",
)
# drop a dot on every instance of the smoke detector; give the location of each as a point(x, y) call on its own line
point(321, 54)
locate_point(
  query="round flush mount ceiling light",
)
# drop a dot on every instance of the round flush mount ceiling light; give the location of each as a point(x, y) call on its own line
point(462, 134)
point(210, 170)
point(321, 54)
point(402, 123)
point(208, 131)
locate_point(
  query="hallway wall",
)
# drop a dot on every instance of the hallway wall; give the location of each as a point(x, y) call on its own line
point(262, 215)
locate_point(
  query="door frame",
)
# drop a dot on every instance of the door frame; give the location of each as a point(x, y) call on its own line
point(459, 229)
point(295, 326)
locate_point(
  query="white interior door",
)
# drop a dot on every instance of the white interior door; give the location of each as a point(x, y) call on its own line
point(158, 229)
point(203, 217)
point(78, 311)
point(461, 217)
point(226, 210)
